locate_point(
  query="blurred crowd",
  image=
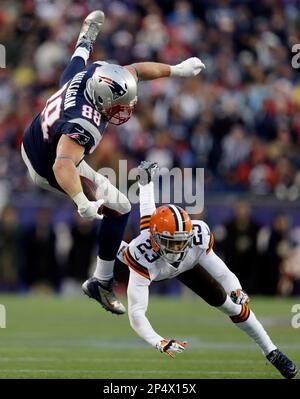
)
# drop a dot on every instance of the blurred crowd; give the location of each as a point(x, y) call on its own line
point(240, 119)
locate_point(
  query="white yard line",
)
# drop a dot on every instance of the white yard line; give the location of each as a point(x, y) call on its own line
point(118, 360)
point(140, 372)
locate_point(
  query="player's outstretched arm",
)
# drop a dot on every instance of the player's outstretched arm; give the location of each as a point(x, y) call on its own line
point(68, 155)
point(147, 172)
point(138, 298)
point(155, 70)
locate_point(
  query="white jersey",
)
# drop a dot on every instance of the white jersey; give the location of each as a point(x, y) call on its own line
point(141, 257)
point(146, 265)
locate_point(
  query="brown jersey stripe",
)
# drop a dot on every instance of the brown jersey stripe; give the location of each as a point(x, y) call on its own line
point(145, 218)
point(135, 263)
point(211, 243)
point(138, 271)
point(134, 267)
point(144, 228)
point(145, 224)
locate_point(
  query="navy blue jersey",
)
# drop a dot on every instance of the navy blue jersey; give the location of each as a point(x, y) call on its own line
point(68, 111)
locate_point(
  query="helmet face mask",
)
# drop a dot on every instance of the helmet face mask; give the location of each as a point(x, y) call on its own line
point(175, 247)
point(118, 114)
point(113, 91)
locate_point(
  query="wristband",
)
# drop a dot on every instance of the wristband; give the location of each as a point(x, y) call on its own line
point(80, 198)
point(175, 71)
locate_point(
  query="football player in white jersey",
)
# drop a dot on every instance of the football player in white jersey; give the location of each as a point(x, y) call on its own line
point(171, 245)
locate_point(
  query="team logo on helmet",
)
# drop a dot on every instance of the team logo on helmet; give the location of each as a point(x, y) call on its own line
point(115, 88)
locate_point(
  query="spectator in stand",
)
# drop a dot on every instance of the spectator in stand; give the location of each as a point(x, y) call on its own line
point(10, 259)
point(40, 267)
point(82, 249)
point(248, 80)
point(277, 249)
point(240, 246)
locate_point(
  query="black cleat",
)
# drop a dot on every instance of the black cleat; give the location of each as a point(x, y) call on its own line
point(279, 360)
point(102, 292)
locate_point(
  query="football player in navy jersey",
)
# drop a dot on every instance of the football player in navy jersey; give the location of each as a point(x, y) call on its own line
point(71, 126)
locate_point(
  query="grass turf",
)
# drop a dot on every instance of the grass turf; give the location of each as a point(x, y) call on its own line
point(56, 337)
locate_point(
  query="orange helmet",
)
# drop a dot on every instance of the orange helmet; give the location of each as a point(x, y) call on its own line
point(171, 232)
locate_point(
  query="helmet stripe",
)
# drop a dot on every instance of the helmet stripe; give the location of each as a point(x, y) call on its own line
point(182, 217)
point(178, 218)
point(175, 217)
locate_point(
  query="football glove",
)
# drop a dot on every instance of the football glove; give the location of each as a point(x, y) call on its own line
point(147, 172)
point(188, 68)
point(87, 209)
point(171, 346)
point(240, 297)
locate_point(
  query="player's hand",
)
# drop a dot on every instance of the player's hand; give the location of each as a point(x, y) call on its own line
point(240, 297)
point(147, 172)
point(171, 346)
point(188, 68)
point(87, 209)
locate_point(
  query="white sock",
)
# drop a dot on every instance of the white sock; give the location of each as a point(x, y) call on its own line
point(104, 269)
point(81, 52)
point(147, 203)
point(251, 325)
point(255, 330)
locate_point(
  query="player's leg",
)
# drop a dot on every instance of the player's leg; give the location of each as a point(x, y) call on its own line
point(116, 209)
point(209, 289)
point(87, 37)
point(204, 285)
point(36, 178)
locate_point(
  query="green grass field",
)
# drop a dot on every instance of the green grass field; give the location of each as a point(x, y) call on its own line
point(53, 337)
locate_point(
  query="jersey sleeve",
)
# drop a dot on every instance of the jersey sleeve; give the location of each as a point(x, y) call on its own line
point(138, 298)
point(83, 132)
point(209, 238)
point(147, 205)
point(132, 260)
point(203, 237)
